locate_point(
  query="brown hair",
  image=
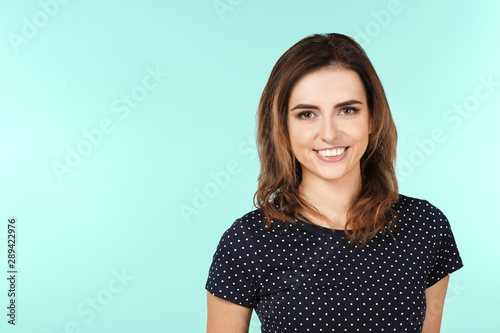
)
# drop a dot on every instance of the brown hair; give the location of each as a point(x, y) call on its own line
point(278, 194)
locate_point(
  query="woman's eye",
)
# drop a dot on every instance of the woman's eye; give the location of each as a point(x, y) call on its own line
point(348, 111)
point(306, 115)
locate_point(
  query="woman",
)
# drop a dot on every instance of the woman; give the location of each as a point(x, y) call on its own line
point(332, 246)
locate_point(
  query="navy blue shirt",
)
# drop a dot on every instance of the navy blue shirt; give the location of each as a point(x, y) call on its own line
point(308, 278)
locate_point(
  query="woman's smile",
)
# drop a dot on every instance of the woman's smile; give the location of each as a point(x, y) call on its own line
point(332, 154)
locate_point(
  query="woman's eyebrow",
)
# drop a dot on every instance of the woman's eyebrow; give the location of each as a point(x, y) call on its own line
point(314, 107)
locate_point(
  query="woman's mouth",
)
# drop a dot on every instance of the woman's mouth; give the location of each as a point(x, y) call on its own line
point(331, 154)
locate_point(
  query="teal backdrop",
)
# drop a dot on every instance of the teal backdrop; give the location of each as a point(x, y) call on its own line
point(127, 145)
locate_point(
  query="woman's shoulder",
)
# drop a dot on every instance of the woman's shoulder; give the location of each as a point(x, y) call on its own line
point(250, 221)
point(418, 212)
point(413, 204)
point(255, 222)
point(244, 230)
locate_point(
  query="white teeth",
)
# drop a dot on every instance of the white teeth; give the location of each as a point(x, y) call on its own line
point(332, 152)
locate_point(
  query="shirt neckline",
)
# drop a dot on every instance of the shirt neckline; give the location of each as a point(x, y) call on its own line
point(304, 221)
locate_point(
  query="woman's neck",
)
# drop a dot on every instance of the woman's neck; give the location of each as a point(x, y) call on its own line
point(332, 198)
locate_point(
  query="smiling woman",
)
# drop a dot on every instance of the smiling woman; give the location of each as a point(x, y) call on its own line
point(328, 74)
point(332, 245)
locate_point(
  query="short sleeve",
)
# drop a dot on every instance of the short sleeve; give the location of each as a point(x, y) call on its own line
point(446, 259)
point(235, 267)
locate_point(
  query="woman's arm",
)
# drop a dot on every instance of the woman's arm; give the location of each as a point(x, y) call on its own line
point(435, 296)
point(226, 317)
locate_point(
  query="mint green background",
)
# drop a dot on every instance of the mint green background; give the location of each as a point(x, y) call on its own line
point(120, 209)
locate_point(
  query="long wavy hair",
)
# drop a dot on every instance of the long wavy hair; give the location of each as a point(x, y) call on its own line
point(277, 195)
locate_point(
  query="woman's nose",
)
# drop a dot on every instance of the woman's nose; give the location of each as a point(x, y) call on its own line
point(329, 130)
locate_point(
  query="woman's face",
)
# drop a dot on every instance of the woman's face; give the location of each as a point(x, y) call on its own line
point(329, 124)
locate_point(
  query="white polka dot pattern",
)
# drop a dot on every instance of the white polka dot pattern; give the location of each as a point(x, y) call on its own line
point(309, 279)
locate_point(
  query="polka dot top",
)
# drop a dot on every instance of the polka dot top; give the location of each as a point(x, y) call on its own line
point(307, 278)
